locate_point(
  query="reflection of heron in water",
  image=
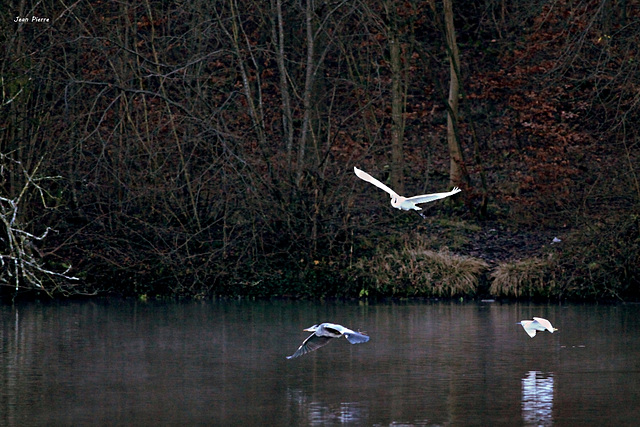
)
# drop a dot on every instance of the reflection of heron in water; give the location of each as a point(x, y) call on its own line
point(537, 324)
point(323, 333)
point(400, 202)
point(319, 412)
point(537, 398)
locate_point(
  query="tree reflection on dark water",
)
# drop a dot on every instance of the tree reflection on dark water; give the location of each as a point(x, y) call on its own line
point(112, 362)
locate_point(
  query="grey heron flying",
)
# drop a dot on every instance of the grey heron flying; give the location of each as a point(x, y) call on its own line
point(400, 202)
point(323, 333)
point(537, 324)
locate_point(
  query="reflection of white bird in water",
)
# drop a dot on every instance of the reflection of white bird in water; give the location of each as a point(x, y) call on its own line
point(404, 203)
point(323, 333)
point(537, 324)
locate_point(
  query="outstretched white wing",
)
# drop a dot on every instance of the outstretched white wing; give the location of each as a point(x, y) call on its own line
point(528, 327)
point(431, 197)
point(366, 177)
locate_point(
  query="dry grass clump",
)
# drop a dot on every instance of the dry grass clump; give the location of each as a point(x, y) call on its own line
point(413, 271)
point(528, 277)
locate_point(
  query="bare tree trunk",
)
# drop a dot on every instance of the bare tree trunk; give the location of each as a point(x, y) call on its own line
point(397, 97)
point(287, 116)
point(456, 169)
point(306, 99)
point(255, 111)
point(397, 116)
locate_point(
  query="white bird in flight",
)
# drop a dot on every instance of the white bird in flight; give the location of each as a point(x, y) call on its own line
point(537, 324)
point(323, 333)
point(400, 202)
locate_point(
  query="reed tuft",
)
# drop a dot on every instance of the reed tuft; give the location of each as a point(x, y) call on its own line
point(415, 270)
point(528, 277)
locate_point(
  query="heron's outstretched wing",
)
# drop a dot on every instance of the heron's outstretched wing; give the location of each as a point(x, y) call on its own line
point(312, 343)
point(424, 198)
point(545, 324)
point(352, 336)
point(356, 337)
point(366, 177)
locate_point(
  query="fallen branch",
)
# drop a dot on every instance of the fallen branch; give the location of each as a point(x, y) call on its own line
point(21, 267)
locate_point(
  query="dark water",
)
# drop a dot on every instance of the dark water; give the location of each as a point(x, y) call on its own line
point(223, 363)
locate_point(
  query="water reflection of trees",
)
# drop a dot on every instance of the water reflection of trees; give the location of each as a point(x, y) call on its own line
point(319, 413)
point(537, 398)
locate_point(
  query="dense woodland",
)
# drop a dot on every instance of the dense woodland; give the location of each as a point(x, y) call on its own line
point(206, 148)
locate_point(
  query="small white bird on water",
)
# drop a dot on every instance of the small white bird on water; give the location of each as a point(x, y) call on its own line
point(537, 324)
point(400, 202)
point(323, 333)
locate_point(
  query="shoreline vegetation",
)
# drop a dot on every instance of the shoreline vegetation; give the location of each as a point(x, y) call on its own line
point(206, 149)
point(582, 266)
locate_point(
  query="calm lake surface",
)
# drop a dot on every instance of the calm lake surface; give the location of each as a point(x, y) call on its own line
point(119, 362)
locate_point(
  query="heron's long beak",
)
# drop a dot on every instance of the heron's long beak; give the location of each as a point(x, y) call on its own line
point(309, 330)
